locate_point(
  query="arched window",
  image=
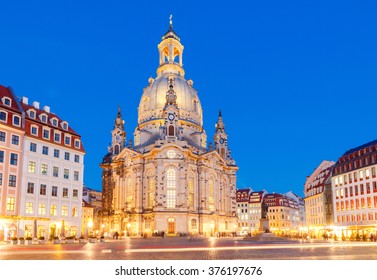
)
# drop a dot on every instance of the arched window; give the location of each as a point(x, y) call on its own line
point(171, 182)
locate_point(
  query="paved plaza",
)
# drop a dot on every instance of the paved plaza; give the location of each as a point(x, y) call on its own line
point(179, 248)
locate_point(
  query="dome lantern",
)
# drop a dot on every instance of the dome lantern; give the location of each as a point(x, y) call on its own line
point(170, 50)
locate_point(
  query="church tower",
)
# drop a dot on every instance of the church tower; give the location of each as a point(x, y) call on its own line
point(118, 135)
point(221, 138)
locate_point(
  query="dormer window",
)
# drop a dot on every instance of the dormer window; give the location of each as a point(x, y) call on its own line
point(43, 118)
point(77, 144)
point(31, 114)
point(65, 125)
point(67, 140)
point(7, 101)
point(54, 122)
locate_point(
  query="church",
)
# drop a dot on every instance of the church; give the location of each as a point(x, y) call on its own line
point(169, 179)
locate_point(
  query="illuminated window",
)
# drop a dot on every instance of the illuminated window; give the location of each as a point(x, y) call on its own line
point(10, 203)
point(64, 210)
point(367, 173)
point(42, 209)
point(171, 154)
point(29, 208)
point(361, 174)
point(171, 188)
point(31, 167)
point(53, 210)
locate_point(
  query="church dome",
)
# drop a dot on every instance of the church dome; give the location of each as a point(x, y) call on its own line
point(153, 99)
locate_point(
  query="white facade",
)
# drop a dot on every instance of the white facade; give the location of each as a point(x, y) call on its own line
point(52, 178)
point(355, 192)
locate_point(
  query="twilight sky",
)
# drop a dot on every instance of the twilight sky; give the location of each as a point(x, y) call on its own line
point(295, 80)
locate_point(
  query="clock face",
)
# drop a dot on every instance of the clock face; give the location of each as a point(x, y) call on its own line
point(117, 137)
point(171, 117)
point(221, 140)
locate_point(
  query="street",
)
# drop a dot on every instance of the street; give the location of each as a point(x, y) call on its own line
point(180, 248)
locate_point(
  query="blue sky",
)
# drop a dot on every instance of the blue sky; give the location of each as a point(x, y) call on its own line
point(295, 80)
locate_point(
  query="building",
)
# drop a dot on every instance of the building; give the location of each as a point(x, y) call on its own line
point(255, 210)
point(169, 179)
point(283, 214)
point(319, 202)
point(242, 199)
point(301, 206)
point(355, 192)
point(11, 154)
point(42, 171)
point(93, 197)
point(87, 219)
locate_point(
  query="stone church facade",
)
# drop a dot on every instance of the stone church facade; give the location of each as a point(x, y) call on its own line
point(168, 179)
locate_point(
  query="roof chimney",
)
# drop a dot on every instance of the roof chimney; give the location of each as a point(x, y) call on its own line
point(25, 100)
point(36, 104)
point(47, 109)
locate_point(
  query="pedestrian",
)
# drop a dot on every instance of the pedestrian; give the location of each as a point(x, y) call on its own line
point(162, 234)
